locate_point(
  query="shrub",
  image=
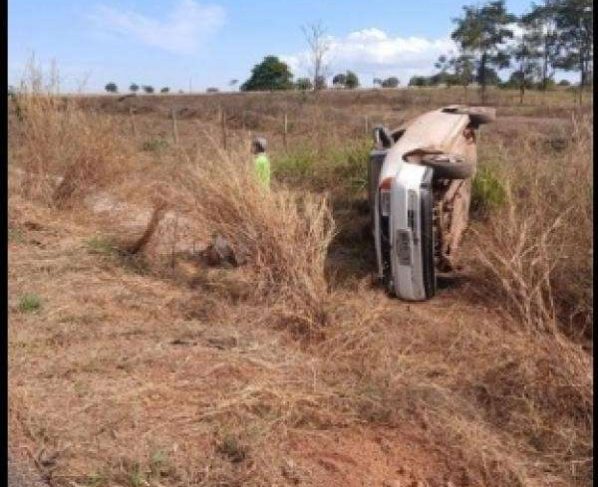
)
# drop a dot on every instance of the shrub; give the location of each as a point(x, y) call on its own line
point(154, 145)
point(29, 303)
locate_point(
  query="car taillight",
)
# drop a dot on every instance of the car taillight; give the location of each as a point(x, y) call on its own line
point(385, 196)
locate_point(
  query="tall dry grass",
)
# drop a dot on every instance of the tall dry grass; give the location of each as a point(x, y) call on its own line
point(61, 150)
point(538, 246)
point(284, 235)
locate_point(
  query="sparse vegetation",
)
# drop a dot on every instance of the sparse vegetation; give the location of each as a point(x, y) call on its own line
point(289, 365)
point(29, 303)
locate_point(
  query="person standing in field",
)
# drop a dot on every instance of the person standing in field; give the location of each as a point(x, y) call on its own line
point(261, 162)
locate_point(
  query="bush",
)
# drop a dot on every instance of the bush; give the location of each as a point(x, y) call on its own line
point(154, 145)
point(29, 303)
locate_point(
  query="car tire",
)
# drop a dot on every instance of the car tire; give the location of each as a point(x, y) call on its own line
point(448, 166)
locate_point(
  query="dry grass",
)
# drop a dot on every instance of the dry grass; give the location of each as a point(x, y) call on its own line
point(283, 234)
point(170, 381)
point(539, 244)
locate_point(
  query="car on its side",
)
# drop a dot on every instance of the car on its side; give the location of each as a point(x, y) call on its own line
point(419, 194)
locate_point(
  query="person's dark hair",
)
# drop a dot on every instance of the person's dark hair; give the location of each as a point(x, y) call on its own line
point(259, 145)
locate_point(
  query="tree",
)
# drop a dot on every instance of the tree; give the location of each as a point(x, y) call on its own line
point(339, 80)
point(211, 89)
point(319, 45)
point(574, 23)
point(111, 87)
point(166, 89)
point(391, 82)
point(148, 89)
point(304, 84)
point(482, 32)
point(418, 81)
point(134, 88)
point(526, 53)
point(270, 74)
point(464, 69)
point(351, 80)
point(564, 82)
point(377, 81)
point(320, 83)
point(233, 82)
point(542, 36)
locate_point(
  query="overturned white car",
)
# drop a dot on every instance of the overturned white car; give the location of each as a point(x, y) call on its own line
point(419, 193)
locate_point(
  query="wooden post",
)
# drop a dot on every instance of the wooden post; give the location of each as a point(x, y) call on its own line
point(223, 126)
point(285, 127)
point(367, 124)
point(175, 131)
point(132, 117)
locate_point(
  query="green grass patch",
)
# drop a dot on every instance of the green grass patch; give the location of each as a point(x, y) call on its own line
point(333, 167)
point(154, 145)
point(488, 191)
point(30, 303)
point(101, 245)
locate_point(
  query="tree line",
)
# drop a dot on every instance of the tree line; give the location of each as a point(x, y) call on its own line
point(552, 35)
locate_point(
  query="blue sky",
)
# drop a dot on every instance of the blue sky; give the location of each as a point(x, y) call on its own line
point(205, 43)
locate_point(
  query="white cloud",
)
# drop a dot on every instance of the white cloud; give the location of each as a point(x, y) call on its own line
point(181, 31)
point(374, 53)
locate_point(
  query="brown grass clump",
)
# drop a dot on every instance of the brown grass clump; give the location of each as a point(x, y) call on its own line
point(62, 151)
point(539, 245)
point(283, 235)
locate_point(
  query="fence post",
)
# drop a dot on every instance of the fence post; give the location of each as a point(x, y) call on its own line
point(132, 117)
point(367, 124)
point(175, 131)
point(285, 131)
point(223, 126)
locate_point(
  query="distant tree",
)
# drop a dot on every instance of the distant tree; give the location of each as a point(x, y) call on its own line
point(391, 82)
point(339, 80)
point(148, 89)
point(526, 53)
point(482, 32)
point(233, 82)
point(351, 80)
point(166, 89)
point(181, 92)
point(270, 74)
point(542, 37)
point(419, 81)
point(564, 82)
point(12, 91)
point(377, 81)
point(491, 76)
point(320, 83)
point(574, 23)
point(304, 84)
point(134, 88)
point(212, 90)
point(111, 87)
point(464, 69)
point(319, 45)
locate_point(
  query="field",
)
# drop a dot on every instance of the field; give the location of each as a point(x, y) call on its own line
point(134, 363)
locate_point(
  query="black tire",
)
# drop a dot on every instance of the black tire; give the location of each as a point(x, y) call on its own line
point(448, 166)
